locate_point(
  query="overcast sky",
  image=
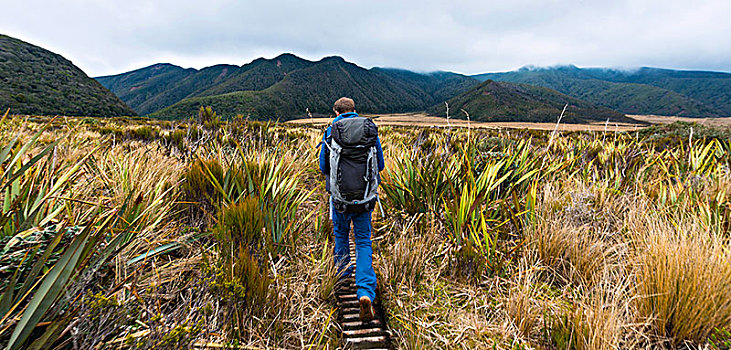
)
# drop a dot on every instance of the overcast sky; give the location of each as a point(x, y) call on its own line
point(109, 37)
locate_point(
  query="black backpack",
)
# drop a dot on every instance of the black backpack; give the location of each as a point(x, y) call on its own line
point(353, 164)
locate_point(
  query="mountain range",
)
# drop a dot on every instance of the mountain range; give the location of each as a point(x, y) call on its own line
point(283, 87)
point(287, 86)
point(34, 80)
point(640, 91)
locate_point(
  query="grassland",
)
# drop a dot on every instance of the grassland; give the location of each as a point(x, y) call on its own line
point(424, 120)
point(136, 233)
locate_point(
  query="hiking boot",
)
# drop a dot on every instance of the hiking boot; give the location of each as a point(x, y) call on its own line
point(367, 313)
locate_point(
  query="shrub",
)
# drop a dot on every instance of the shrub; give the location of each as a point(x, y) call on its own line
point(111, 130)
point(208, 118)
point(242, 225)
point(199, 193)
point(145, 133)
point(175, 139)
point(237, 277)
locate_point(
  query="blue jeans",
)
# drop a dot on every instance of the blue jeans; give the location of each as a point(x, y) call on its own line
point(365, 277)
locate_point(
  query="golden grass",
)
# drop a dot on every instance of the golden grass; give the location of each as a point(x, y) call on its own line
point(599, 265)
point(405, 262)
point(524, 304)
point(683, 278)
point(423, 120)
point(602, 319)
point(567, 239)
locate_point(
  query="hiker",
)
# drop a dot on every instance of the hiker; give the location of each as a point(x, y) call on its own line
point(352, 147)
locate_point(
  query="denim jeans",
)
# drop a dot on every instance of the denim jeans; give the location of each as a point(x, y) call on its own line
point(365, 276)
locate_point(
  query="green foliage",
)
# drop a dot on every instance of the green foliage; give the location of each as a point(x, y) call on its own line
point(720, 339)
point(175, 139)
point(241, 225)
point(158, 86)
point(146, 90)
point(276, 185)
point(181, 335)
point(647, 91)
point(417, 185)
point(52, 269)
point(208, 119)
point(237, 276)
point(503, 101)
point(37, 81)
point(477, 196)
point(211, 184)
point(488, 196)
point(198, 189)
point(560, 333)
point(670, 136)
point(282, 88)
point(28, 187)
point(144, 133)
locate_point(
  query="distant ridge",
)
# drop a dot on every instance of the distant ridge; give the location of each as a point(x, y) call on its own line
point(34, 80)
point(503, 101)
point(281, 88)
point(639, 91)
point(286, 86)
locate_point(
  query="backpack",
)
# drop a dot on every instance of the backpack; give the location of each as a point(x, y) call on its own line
point(353, 174)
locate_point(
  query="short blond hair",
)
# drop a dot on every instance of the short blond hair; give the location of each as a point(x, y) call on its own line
point(343, 105)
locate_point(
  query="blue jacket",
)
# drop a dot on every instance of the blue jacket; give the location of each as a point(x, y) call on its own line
point(325, 153)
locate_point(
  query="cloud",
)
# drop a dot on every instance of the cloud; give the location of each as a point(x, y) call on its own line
point(108, 37)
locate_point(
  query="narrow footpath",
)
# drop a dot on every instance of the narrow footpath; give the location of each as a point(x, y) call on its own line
point(357, 334)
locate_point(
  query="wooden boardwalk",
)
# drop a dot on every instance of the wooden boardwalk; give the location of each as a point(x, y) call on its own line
point(356, 334)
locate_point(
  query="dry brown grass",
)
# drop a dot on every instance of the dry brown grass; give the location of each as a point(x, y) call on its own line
point(525, 305)
point(406, 261)
point(601, 268)
point(661, 119)
point(683, 277)
point(602, 319)
point(568, 238)
point(420, 119)
point(424, 120)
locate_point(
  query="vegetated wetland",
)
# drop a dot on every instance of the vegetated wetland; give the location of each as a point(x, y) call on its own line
point(140, 233)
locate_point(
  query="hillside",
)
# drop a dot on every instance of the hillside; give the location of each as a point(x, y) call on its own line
point(440, 86)
point(314, 88)
point(710, 88)
point(149, 88)
point(503, 101)
point(632, 93)
point(158, 86)
point(36, 81)
point(283, 87)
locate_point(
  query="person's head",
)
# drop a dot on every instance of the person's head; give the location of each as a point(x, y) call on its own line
point(344, 105)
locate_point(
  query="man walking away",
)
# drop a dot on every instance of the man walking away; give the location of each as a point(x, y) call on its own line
point(351, 159)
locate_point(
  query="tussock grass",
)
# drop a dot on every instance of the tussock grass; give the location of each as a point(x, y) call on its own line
point(406, 260)
point(524, 303)
point(683, 276)
point(601, 319)
point(489, 239)
point(568, 240)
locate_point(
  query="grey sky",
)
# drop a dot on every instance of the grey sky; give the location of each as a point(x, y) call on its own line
point(109, 37)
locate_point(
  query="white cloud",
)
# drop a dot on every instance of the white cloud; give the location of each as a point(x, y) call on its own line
point(108, 37)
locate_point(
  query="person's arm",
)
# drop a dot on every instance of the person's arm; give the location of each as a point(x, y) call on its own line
point(381, 162)
point(324, 155)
